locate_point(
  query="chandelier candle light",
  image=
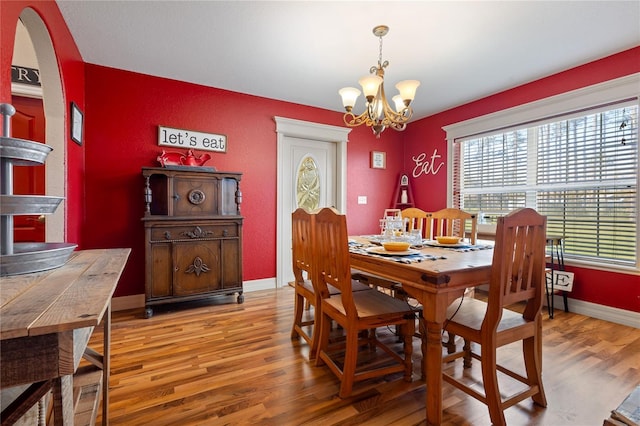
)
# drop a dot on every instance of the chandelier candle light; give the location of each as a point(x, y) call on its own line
point(378, 113)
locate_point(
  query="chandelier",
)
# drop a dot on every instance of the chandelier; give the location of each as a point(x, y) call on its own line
point(378, 113)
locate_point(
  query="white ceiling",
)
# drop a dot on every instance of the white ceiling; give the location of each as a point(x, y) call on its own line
point(304, 51)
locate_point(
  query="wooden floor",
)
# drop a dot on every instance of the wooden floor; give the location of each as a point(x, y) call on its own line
point(220, 363)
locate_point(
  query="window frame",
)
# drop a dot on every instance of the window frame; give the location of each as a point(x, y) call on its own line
point(554, 108)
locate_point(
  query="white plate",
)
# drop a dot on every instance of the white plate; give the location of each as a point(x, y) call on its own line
point(382, 251)
point(435, 243)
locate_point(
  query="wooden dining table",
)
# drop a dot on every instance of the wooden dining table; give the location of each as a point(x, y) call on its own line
point(435, 284)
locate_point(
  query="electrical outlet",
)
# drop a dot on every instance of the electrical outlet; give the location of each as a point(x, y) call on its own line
point(362, 199)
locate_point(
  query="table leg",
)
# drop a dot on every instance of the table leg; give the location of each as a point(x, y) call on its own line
point(433, 367)
point(106, 364)
point(63, 401)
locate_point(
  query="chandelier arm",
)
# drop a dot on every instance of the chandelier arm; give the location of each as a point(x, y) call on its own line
point(352, 120)
point(390, 115)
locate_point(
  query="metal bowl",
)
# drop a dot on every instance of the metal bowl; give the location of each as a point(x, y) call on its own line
point(28, 204)
point(22, 152)
point(35, 257)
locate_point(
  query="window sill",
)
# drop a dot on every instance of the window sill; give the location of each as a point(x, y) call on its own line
point(620, 269)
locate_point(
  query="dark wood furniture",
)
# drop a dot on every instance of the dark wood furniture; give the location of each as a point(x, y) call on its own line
point(435, 284)
point(193, 234)
point(47, 320)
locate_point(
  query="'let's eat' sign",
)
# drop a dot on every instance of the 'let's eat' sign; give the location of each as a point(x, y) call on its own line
point(180, 138)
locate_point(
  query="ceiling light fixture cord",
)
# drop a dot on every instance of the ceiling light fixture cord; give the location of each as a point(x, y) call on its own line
point(378, 113)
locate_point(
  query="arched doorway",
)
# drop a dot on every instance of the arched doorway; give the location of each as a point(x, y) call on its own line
point(54, 111)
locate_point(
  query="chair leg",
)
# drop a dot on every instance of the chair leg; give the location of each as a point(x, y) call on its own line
point(350, 360)
point(324, 331)
point(466, 363)
point(408, 330)
point(297, 314)
point(315, 337)
point(371, 338)
point(532, 352)
point(491, 389)
point(451, 343)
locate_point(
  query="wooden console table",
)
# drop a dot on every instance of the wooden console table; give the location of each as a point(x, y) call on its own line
point(47, 320)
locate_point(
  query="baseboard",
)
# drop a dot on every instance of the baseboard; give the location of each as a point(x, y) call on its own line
point(127, 302)
point(263, 284)
point(137, 300)
point(606, 313)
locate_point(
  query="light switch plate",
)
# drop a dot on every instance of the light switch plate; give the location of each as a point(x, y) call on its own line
point(362, 199)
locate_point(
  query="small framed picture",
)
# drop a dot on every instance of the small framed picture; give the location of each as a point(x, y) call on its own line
point(378, 160)
point(404, 180)
point(77, 123)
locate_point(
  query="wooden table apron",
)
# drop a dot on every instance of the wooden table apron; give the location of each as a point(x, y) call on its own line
point(47, 320)
point(435, 284)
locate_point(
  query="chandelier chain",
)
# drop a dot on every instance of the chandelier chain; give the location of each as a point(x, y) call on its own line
point(380, 55)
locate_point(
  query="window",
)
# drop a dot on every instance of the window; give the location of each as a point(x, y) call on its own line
point(578, 169)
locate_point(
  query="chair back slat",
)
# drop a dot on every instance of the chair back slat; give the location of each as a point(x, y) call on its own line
point(517, 273)
point(453, 222)
point(417, 219)
point(332, 255)
point(302, 229)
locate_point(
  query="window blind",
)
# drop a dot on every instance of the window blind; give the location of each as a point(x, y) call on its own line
point(581, 171)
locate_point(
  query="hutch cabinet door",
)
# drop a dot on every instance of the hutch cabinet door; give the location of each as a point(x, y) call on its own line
point(231, 263)
point(160, 273)
point(196, 267)
point(195, 196)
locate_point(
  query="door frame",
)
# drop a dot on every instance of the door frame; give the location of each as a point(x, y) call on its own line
point(289, 128)
point(55, 113)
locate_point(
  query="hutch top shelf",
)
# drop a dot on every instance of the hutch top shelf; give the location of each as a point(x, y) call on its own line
point(190, 192)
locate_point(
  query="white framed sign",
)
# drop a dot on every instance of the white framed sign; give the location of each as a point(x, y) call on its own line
point(181, 138)
point(378, 160)
point(563, 280)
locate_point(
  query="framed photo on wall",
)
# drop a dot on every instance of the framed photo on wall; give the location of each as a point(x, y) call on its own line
point(378, 160)
point(77, 124)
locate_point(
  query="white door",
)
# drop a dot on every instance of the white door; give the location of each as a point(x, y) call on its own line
point(311, 180)
point(311, 163)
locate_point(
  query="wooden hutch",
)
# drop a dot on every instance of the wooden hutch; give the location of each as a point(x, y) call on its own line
point(193, 234)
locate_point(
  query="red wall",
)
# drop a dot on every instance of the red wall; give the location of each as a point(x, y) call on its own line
point(123, 111)
point(425, 136)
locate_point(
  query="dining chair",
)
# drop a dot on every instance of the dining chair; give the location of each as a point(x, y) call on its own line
point(452, 222)
point(302, 253)
point(417, 219)
point(355, 312)
point(517, 275)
